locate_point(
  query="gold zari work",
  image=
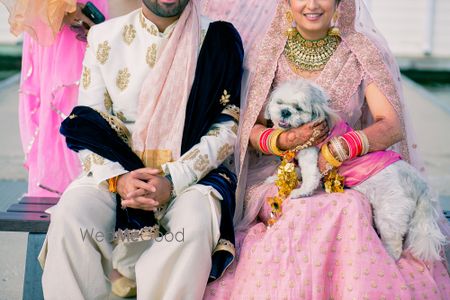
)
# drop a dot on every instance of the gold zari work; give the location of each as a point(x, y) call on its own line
point(86, 77)
point(103, 52)
point(152, 29)
point(307, 55)
point(129, 33)
point(151, 55)
point(107, 101)
point(123, 78)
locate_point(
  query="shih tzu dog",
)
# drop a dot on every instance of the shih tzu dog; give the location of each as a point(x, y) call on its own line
point(403, 204)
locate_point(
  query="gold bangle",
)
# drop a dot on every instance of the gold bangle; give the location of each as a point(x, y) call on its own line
point(329, 157)
point(273, 142)
point(112, 184)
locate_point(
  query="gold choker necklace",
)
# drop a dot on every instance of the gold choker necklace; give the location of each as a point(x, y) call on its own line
point(306, 55)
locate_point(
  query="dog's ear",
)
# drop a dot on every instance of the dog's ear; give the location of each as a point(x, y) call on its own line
point(267, 111)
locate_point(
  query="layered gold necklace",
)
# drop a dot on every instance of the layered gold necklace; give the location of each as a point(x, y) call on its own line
point(305, 55)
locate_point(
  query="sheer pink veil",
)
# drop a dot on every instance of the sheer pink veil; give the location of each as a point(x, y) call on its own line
point(42, 19)
point(359, 33)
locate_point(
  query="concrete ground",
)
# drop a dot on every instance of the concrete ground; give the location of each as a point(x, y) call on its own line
point(431, 121)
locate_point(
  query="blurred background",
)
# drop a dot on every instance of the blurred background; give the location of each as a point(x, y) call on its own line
point(418, 33)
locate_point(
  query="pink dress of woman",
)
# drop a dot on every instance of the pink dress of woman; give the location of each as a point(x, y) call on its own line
point(51, 68)
point(323, 246)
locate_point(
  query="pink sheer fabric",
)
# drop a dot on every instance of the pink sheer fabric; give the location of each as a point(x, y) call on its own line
point(323, 246)
point(41, 19)
point(48, 92)
point(167, 86)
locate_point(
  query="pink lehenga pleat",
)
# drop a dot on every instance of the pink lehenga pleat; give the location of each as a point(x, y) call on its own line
point(325, 247)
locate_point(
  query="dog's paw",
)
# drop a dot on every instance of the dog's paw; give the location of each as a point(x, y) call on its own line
point(299, 193)
point(395, 251)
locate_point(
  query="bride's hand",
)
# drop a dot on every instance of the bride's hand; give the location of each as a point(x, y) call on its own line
point(300, 135)
point(78, 20)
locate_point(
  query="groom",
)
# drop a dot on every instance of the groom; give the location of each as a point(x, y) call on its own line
point(167, 81)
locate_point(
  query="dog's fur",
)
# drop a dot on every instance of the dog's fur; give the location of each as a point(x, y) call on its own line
point(403, 203)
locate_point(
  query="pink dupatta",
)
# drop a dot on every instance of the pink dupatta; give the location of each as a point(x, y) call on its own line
point(165, 92)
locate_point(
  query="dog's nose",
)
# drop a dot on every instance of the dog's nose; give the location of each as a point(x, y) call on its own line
point(285, 113)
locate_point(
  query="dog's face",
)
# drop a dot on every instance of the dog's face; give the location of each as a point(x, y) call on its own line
point(297, 102)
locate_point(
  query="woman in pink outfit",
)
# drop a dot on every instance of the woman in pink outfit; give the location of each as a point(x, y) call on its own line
point(51, 68)
point(323, 246)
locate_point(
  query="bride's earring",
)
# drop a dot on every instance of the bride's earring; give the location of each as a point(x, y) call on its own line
point(290, 32)
point(334, 30)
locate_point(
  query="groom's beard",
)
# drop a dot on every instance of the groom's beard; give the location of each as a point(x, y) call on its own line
point(166, 9)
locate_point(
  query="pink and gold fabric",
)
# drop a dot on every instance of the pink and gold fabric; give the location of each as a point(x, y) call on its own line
point(324, 246)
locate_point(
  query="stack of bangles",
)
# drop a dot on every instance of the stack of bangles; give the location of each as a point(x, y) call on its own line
point(335, 153)
point(268, 141)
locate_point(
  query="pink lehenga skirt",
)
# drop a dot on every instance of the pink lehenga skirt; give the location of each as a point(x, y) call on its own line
point(324, 247)
point(48, 92)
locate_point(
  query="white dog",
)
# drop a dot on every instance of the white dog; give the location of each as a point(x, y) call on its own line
point(403, 204)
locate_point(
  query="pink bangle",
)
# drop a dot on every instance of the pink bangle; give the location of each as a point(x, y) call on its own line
point(264, 139)
point(354, 144)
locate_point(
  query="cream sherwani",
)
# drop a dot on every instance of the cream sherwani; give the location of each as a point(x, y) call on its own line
point(77, 262)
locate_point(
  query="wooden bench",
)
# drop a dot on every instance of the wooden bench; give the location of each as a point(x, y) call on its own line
point(28, 215)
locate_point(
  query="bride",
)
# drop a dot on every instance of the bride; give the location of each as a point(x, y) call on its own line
point(324, 246)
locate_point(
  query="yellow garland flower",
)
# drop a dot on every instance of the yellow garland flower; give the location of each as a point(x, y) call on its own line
point(333, 182)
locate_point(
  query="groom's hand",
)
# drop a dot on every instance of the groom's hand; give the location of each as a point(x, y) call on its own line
point(161, 188)
point(134, 180)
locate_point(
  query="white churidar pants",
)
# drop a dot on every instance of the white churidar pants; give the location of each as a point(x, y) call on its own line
point(78, 255)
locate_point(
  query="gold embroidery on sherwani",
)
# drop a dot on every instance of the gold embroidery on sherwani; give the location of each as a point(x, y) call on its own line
point(152, 29)
point(151, 55)
point(213, 132)
point(224, 151)
point(128, 34)
point(87, 164)
point(190, 155)
point(225, 98)
point(201, 163)
point(103, 52)
point(234, 128)
point(107, 101)
point(86, 77)
point(121, 116)
point(97, 159)
point(123, 78)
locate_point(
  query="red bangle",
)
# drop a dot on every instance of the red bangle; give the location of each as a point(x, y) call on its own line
point(354, 144)
point(264, 139)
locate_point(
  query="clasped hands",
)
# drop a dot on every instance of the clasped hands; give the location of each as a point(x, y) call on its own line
point(300, 135)
point(78, 22)
point(144, 189)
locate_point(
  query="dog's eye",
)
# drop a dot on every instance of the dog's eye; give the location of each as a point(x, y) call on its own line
point(279, 102)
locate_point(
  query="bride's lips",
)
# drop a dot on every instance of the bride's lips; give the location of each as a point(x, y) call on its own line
point(313, 16)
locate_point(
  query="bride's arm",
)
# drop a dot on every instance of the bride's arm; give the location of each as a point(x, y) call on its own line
point(386, 129)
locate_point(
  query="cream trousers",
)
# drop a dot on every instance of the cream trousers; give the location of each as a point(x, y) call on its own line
point(78, 254)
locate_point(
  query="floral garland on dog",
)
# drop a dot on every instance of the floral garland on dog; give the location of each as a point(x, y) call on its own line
point(287, 180)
